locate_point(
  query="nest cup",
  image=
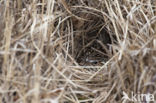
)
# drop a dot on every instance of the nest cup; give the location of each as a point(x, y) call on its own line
point(92, 41)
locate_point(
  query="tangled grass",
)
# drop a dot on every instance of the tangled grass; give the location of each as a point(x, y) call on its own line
point(76, 51)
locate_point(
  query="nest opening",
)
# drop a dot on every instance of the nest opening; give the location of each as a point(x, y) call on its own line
point(92, 46)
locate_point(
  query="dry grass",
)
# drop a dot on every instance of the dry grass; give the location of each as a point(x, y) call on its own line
point(76, 51)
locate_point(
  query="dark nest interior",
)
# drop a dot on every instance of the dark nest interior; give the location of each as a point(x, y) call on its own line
point(92, 39)
point(93, 45)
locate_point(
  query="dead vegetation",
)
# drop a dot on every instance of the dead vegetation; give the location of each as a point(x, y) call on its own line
point(76, 51)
